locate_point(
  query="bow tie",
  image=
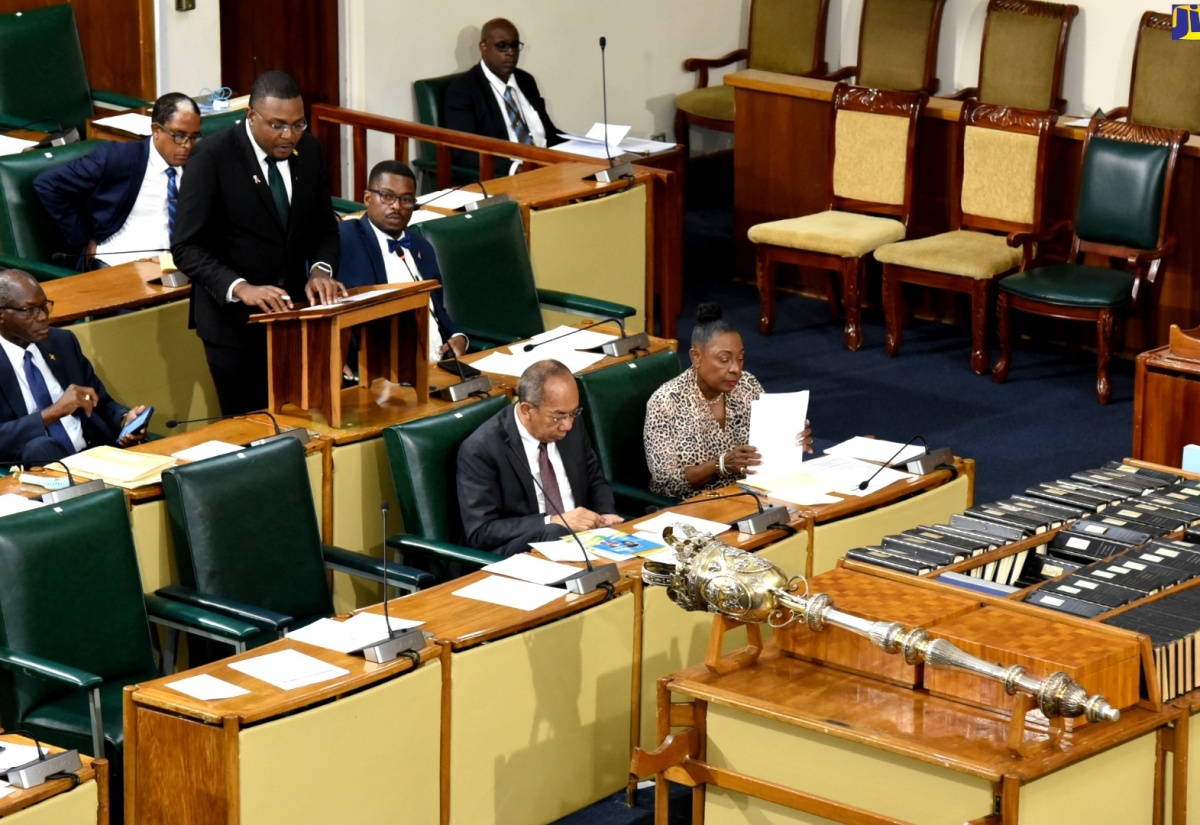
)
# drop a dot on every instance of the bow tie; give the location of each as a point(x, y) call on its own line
point(393, 245)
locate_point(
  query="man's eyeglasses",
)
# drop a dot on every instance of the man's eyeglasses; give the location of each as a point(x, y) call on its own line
point(508, 46)
point(181, 138)
point(388, 198)
point(44, 308)
point(558, 419)
point(295, 128)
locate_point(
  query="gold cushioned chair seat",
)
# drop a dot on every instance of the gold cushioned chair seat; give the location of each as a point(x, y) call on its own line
point(845, 234)
point(711, 101)
point(965, 253)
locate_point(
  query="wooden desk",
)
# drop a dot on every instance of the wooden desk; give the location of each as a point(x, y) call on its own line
point(109, 291)
point(359, 748)
point(1166, 400)
point(57, 801)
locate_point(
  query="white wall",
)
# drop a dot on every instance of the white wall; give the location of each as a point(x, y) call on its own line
point(388, 44)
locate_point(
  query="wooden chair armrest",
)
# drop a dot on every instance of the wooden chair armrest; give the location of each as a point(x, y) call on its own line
point(1151, 255)
point(1016, 239)
point(701, 65)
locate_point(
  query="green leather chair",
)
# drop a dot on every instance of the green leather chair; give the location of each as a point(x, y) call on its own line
point(614, 412)
point(487, 278)
point(29, 237)
point(248, 545)
point(430, 94)
point(423, 455)
point(57, 92)
point(215, 122)
point(73, 624)
point(1124, 194)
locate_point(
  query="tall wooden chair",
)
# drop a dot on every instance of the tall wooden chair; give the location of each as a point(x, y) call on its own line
point(1024, 49)
point(1162, 91)
point(897, 45)
point(1124, 194)
point(1000, 169)
point(786, 36)
point(871, 150)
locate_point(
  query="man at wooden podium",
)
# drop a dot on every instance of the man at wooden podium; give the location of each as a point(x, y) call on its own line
point(255, 233)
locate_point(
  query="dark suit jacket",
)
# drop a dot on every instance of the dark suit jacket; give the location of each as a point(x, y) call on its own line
point(227, 228)
point(495, 487)
point(362, 264)
point(66, 360)
point(91, 197)
point(470, 106)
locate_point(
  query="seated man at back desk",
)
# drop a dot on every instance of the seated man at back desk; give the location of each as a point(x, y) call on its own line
point(528, 474)
point(52, 404)
point(496, 99)
point(376, 249)
point(117, 203)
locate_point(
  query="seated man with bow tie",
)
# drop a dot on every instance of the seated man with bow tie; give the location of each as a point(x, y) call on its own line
point(377, 250)
point(52, 404)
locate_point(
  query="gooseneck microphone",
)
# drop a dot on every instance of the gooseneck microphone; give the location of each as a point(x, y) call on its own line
point(638, 342)
point(770, 517)
point(532, 346)
point(74, 489)
point(488, 200)
point(478, 384)
point(615, 171)
point(865, 484)
point(406, 643)
point(298, 433)
point(585, 581)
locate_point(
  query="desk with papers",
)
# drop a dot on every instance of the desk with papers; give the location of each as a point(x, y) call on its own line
point(56, 801)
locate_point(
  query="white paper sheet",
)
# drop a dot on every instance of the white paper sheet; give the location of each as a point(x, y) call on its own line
point(131, 122)
point(207, 688)
point(450, 198)
point(353, 634)
point(875, 449)
point(206, 449)
point(666, 518)
point(12, 503)
point(5, 789)
point(803, 496)
point(510, 593)
point(11, 145)
point(531, 569)
point(14, 755)
point(559, 550)
point(775, 421)
point(499, 363)
point(422, 215)
point(570, 338)
point(289, 669)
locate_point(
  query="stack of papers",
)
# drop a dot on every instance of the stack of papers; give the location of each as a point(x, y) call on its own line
point(130, 122)
point(359, 631)
point(568, 350)
point(121, 468)
point(450, 198)
point(289, 669)
point(12, 503)
point(876, 449)
point(593, 143)
point(206, 449)
point(508, 592)
point(603, 542)
point(776, 419)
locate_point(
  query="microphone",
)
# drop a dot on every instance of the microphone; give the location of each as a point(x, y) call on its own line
point(398, 642)
point(46, 766)
point(465, 388)
point(298, 433)
point(615, 171)
point(766, 518)
point(488, 200)
point(927, 462)
point(621, 346)
point(73, 489)
point(585, 581)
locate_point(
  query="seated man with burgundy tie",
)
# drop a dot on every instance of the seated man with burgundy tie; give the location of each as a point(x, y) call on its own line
point(496, 99)
point(528, 473)
point(117, 203)
point(377, 250)
point(51, 403)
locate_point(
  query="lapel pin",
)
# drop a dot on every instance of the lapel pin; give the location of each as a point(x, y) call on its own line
point(256, 180)
point(50, 355)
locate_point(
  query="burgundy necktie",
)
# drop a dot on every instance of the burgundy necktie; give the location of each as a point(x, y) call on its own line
point(549, 481)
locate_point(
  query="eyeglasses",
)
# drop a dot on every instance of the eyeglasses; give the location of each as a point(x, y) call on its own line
point(558, 419)
point(508, 46)
point(299, 126)
point(44, 308)
point(388, 198)
point(181, 138)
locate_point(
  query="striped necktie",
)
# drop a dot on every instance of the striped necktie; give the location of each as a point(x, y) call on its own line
point(515, 120)
point(172, 202)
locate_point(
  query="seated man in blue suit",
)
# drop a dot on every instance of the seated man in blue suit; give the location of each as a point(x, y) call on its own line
point(377, 250)
point(117, 203)
point(51, 403)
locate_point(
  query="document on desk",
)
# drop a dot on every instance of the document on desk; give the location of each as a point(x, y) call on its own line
point(775, 421)
point(289, 669)
point(5, 789)
point(570, 338)
point(666, 518)
point(592, 144)
point(351, 635)
point(132, 122)
point(451, 198)
point(12, 503)
point(508, 592)
point(207, 688)
point(844, 475)
point(14, 755)
point(207, 449)
point(875, 449)
point(516, 363)
point(12, 146)
point(122, 468)
point(527, 568)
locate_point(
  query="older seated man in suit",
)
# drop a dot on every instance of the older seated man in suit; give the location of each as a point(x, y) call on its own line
point(117, 203)
point(496, 99)
point(528, 474)
point(376, 249)
point(52, 404)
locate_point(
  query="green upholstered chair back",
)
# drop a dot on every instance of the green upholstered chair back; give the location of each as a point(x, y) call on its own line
point(430, 93)
point(245, 528)
point(487, 277)
point(71, 592)
point(1124, 186)
point(898, 43)
point(787, 36)
point(1163, 91)
point(26, 228)
point(423, 455)
point(215, 122)
point(1024, 43)
point(42, 75)
point(614, 411)
point(1001, 166)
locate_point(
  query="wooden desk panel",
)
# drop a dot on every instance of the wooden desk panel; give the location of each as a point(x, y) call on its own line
point(1166, 406)
point(110, 290)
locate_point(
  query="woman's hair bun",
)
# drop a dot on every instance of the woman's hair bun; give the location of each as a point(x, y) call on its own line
point(708, 312)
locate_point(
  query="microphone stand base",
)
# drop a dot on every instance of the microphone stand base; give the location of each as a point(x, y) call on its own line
point(465, 389)
point(389, 649)
point(298, 433)
point(34, 773)
point(585, 581)
point(73, 491)
point(769, 518)
point(614, 173)
point(626, 345)
point(174, 279)
point(930, 461)
point(486, 202)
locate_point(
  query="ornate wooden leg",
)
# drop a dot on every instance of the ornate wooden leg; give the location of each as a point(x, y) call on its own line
point(893, 309)
point(764, 264)
point(981, 300)
point(1003, 324)
point(1104, 328)
point(852, 289)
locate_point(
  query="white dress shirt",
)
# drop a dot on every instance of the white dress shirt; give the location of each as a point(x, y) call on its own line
point(532, 119)
point(403, 270)
point(147, 226)
point(16, 356)
point(532, 446)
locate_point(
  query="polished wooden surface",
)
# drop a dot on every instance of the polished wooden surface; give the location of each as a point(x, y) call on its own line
point(23, 798)
point(1166, 400)
point(110, 290)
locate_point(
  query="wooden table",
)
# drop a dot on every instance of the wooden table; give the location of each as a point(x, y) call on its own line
point(109, 291)
point(58, 801)
point(359, 748)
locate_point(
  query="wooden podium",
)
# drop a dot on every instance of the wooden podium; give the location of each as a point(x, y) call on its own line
point(1166, 399)
point(306, 347)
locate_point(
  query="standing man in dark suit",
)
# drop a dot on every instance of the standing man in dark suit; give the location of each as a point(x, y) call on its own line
point(52, 404)
point(527, 464)
point(376, 249)
point(117, 203)
point(498, 100)
point(255, 233)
